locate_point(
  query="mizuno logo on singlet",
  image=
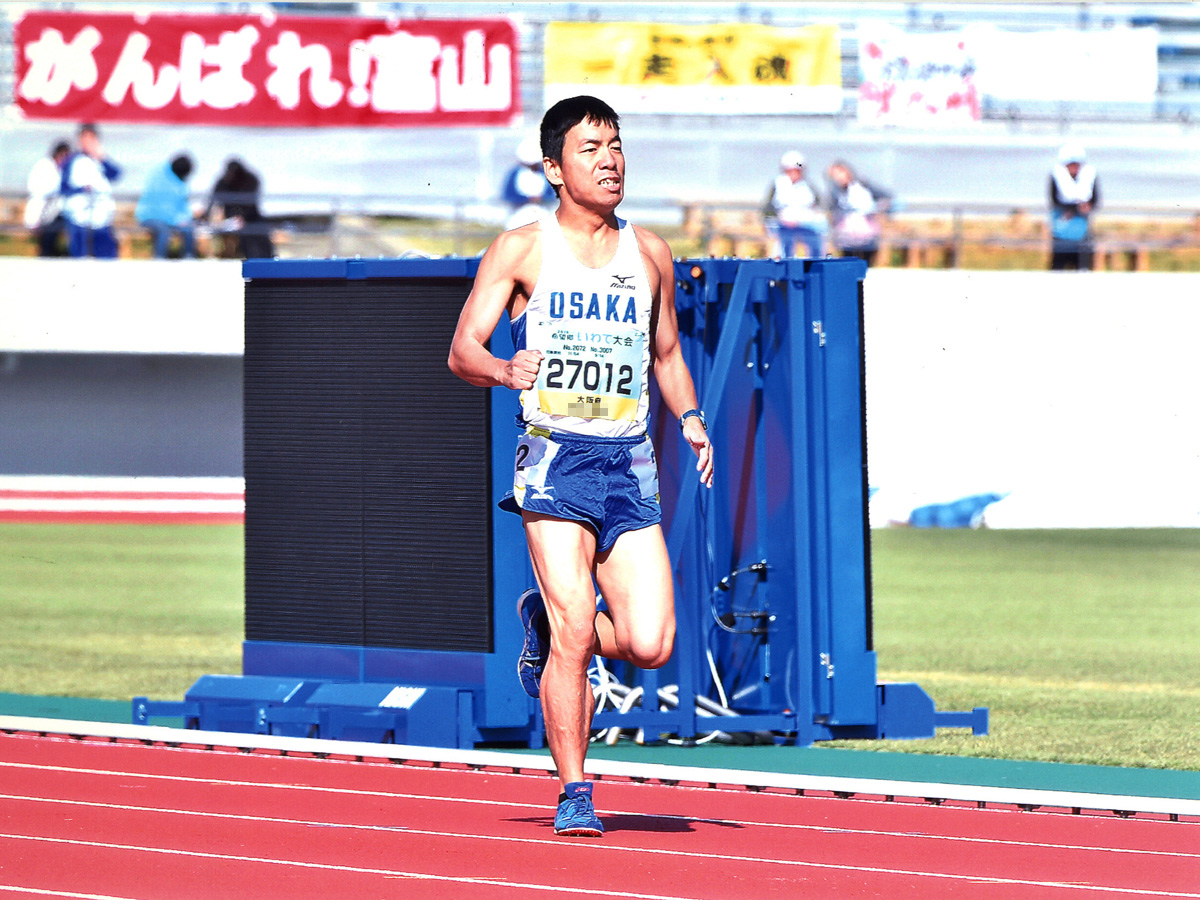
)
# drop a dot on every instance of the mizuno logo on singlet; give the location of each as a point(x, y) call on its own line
point(622, 282)
point(614, 308)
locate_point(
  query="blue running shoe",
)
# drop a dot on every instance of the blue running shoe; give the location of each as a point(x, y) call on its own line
point(532, 610)
point(576, 817)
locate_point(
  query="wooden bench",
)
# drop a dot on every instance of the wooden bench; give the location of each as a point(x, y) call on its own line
point(726, 231)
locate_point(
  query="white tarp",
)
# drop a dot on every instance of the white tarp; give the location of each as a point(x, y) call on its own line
point(1111, 65)
point(942, 78)
point(1072, 393)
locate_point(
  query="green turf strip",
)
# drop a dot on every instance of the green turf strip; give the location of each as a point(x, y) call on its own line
point(912, 767)
point(918, 767)
point(1084, 645)
point(80, 709)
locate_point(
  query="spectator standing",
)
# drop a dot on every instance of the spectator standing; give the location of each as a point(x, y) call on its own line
point(793, 210)
point(164, 208)
point(237, 194)
point(1074, 195)
point(526, 190)
point(43, 208)
point(88, 203)
point(856, 209)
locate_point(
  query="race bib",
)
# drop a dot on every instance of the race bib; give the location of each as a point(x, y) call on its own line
point(591, 374)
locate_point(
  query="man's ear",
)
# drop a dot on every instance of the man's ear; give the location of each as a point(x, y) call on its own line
point(553, 171)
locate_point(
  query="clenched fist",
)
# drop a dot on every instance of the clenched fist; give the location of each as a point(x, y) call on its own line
point(521, 371)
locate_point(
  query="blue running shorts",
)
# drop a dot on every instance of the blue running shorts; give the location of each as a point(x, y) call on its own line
point(609, 484)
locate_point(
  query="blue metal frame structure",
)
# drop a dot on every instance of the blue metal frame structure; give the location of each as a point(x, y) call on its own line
point(772, 566)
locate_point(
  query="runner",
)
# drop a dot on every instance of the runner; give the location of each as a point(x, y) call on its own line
point(591, 299)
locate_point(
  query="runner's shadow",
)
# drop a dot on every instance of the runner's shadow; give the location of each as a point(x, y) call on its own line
point(616, 822)
point(647, 823)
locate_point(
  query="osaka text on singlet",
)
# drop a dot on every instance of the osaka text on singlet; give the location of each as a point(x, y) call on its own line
point(593, 327)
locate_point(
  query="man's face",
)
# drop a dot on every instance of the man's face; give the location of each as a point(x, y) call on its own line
point(794, 173)
point(592, 171)
point(1073, 168)
point(89, 142)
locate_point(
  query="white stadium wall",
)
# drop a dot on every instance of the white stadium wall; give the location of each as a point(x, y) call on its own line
point(120, 368)
point(1068, 395)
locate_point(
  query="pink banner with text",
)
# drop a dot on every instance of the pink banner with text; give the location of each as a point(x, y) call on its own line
point(265, 70)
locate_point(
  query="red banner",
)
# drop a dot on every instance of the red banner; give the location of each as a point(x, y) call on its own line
point(248, 70)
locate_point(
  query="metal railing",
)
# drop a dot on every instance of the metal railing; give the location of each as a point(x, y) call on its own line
point(312, 225)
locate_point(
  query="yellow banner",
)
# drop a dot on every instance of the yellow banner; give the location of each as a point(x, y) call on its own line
point(697, 65)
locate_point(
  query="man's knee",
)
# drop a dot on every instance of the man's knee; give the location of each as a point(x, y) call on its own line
point(649, 650)
point(573, 637)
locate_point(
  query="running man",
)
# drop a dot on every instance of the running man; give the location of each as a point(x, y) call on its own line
point(591, 299)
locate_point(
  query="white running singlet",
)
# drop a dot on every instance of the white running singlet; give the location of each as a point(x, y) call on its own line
point(593, 325)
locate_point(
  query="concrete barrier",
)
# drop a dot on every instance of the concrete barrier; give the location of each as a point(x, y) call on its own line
point(1071, 394)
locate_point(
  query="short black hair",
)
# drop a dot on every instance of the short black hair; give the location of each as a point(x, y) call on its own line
point(89, 128)
point(181, 165)
point(60, 146)
point(566, 114)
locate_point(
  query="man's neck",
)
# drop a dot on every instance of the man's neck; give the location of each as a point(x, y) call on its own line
point(591, 234)
point(584, 220)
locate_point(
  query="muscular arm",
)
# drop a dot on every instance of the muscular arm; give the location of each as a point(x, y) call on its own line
point(670, 369)
point(501, 278)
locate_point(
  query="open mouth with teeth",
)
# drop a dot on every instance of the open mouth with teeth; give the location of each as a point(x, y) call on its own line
point(611, 183)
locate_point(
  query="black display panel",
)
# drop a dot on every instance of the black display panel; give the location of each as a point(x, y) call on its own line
point(367, 465)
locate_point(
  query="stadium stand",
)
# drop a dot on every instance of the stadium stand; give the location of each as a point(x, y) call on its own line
point(713, 194)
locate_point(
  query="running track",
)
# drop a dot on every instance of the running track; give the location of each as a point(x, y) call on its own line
point(82, 500)
point(88, 816)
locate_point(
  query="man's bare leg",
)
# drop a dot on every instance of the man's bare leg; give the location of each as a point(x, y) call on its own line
point(634, 576)
point(563, 553)
point(635, 579)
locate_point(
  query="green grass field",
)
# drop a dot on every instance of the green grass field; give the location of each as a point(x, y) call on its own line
point(1085, 645)
point(114, 611)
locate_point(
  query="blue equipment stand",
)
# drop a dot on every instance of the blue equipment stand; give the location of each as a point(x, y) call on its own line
point(772, 566)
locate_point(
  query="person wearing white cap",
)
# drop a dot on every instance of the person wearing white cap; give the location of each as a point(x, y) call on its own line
point(1074, 195)
point(526, 190)
point(793, 213)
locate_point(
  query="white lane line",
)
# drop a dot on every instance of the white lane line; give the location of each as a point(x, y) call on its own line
point(74, 895)
point(353, 870)
point(423, 876)
point(1036, 797)
point(166, 505)
point(543, 809)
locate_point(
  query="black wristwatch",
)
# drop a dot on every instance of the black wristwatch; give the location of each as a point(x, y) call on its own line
point(698, 414)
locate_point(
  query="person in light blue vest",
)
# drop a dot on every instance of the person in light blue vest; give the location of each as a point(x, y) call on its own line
point(1074, 196)
point(164, 209)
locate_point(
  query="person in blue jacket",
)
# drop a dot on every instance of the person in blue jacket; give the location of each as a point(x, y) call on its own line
point(88, 204)
point(164, 208)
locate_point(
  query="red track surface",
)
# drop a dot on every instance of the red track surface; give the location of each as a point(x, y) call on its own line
point(105, 505)
point(108, 818)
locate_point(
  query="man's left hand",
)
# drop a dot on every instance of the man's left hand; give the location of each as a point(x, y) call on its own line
point(696, 436)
